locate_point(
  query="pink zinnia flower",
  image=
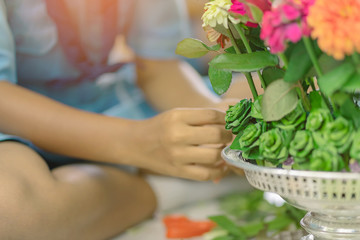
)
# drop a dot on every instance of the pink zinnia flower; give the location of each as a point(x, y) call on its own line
point(241, 7)
point(286, 22)
point(237, 7)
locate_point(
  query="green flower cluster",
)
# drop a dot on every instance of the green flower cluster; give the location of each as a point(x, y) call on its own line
point(318, 140)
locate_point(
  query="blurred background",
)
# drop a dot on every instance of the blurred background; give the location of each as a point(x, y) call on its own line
point(239, 87)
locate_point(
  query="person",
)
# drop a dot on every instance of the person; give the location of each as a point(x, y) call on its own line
point(59, 106)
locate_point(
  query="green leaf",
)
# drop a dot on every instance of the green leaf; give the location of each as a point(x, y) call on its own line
point(270, 74)
point(350, 111)
point(252, 229)
point(228, 238)
point(339, 98)
point(216, 233)
point(299, 63)
point(326, 63)
point(254, 38)
point(333, 80)
point(279, 223)
point(235, 144)
point(316, 101)
point(253, 153)
point(193, 48)
point(225, 223)
point(221, 29)
point(352, 84)
point(248, 62)
point(230, 50)
point(214, 47)
point(256, 12)
point(295, 213)
point(279, 99)
point(220, 79)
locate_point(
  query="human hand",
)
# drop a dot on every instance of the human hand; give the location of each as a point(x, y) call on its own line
point(224, 104)
point(184, 143)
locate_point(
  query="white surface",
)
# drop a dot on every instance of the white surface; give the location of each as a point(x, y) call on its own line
point(174, 192)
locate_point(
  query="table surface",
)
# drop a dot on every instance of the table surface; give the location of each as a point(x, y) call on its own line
point(202, 202)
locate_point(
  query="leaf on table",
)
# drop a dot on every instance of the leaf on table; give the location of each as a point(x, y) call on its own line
point(279, 223)
point(227, 224)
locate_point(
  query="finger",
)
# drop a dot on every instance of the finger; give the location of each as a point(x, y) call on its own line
point(201, 173)
point(203, 116)
point(214, 134)
point(198, 155)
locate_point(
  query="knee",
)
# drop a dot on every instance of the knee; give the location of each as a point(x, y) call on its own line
point(147, 197)
point(138, 200)
point(129, 198)
point(20, 216)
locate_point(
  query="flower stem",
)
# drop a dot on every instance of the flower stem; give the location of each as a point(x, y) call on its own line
point(247, 75)
point(310, 50)
point(284, 60)
point(249, 50)
point(233, 42)
point(304, 99)
point(251, 84)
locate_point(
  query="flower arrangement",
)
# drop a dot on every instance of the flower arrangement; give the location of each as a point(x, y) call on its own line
point(306, 55)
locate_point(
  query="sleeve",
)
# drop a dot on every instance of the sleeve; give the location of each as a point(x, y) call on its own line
point(157, 26)
point(7, 49)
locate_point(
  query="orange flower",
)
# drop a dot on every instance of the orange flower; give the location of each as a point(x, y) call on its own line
point(336, 25)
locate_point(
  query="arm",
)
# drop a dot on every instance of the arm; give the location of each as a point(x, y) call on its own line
point(167, 144)
point(58, 128)
point(173, 83)
point(170, 84)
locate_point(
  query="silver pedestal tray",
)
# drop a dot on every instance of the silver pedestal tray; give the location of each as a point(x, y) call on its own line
point(332, 199)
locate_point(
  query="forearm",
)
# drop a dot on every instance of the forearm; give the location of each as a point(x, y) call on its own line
point(169, 84)
point(61, 129)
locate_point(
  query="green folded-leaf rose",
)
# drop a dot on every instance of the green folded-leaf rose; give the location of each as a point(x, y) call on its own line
point(237, 116)
point(249, 141)
point(318, 119)
point(340, 134)
point(250, 136)
point(355, 147)
point(326, 159)
point(256, 108)
point(273, 146)
point(301, 146)
point(295, 120)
